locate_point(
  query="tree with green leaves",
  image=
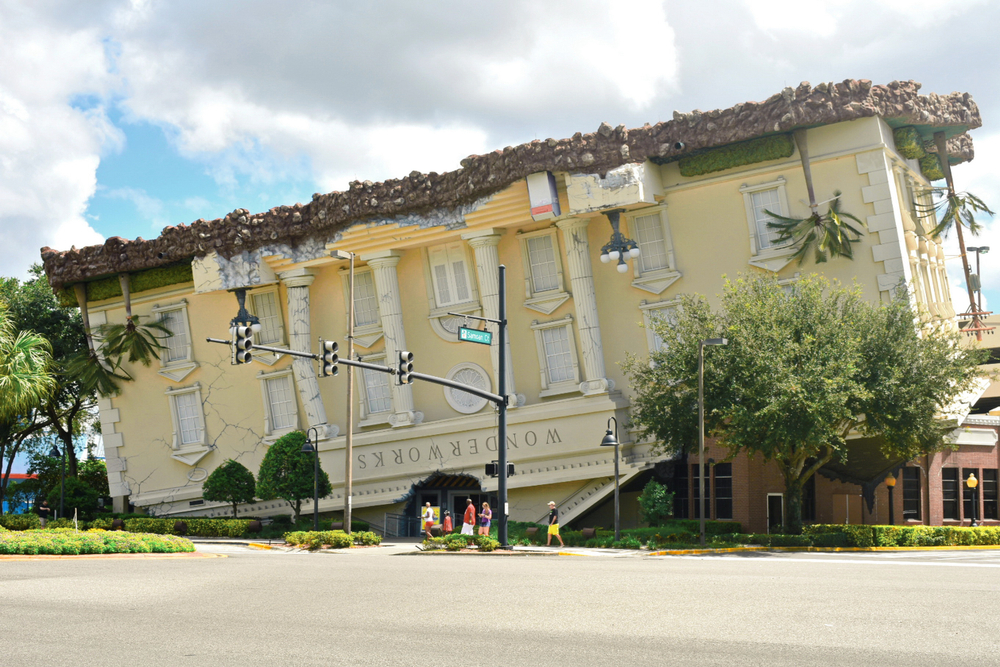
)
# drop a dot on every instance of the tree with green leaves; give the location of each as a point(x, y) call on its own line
point(656, 503)
point(287, 473)
point(806, 366)
point(230, 483)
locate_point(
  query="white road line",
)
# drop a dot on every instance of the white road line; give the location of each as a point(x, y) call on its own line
point(848, 561)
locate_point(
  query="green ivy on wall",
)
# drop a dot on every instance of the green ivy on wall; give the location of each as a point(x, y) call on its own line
point(930, 165)
point(908, 142)
point(109, 288)
point(761, 149)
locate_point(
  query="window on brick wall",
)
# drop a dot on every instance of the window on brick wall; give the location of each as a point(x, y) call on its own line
point(989, 487)
point(723, 491)
point(681, 506)
point(949, 493)
point(911, 494)
point(695, 497)
point(968, 494)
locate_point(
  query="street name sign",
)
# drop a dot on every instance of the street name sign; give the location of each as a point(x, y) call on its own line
point(475, 336)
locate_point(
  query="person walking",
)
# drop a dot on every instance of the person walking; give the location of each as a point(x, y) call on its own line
point(43, 513)
point(554, 524)
point(469, 520)
point(484, 520)
point(446, 524)
point(428, 519)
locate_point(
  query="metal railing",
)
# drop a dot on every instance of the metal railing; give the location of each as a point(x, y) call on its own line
point(400, 525)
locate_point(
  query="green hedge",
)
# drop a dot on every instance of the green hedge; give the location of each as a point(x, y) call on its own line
point(141, 281)
point(69, 542)
point(910, 536)
point(196, 526)
point(335, 539)
point(908, 142)
point(930, 165)
point(756, 150)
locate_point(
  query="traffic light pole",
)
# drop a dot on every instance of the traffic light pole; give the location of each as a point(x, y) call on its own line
point(500, 399)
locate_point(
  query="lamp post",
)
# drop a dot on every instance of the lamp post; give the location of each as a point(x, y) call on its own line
point(890, 482)
point(972, 483)
point(611, 440)
point(62, 476)
point(701, 430)
point(983, 249)
point(312, 446)
point(349, 436)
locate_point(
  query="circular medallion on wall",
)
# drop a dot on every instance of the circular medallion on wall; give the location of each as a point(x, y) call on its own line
point(197, 475)
point(473, 375)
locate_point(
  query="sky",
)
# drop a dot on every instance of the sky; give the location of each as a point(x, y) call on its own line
point(121, 117)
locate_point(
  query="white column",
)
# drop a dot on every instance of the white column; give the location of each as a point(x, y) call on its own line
point(390, 310)
point(297, 282)
point(585, 299)
point(485, 243)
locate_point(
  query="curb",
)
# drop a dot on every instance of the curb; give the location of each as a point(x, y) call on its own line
point(691, 552)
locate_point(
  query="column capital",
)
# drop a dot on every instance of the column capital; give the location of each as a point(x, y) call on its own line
point(382, 258)
point(483, 237)
point(297, 277)
point(573, 223)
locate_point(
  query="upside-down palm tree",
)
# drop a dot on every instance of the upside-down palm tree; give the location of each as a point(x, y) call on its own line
point(25, 376)
point(825, 235)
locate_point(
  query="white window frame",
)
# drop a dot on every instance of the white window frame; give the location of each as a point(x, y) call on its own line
point(268, 358)
point(450, 253)
point(773, 258)
point(265, 377)
point(176, 369)
point(478, 403)
point(650, 311)
point(548, 300)
point(368, 334)
point(566, 386)
point(654, 281)
point(369, 418)
point(443, 324)
point(173, 393)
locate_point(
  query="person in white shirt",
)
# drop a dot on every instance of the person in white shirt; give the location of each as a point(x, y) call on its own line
point(428, 519)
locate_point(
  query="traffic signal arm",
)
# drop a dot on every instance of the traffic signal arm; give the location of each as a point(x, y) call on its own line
point(475, 391)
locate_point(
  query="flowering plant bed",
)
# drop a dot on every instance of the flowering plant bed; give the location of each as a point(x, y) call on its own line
point(69, 542)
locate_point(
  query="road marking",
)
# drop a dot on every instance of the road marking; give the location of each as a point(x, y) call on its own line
point(849, 561)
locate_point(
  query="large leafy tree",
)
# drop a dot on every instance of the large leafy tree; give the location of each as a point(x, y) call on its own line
point(68, 410)
point(805, 366)
point(230, 483)
point(287, 473)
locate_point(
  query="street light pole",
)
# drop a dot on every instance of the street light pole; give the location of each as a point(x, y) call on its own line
point(979, 276)
point(313, 446)
point(62, 477)
point(611, 439)
point(701, 431)
point(349, 436)
point(890, 482)
point(972, 483)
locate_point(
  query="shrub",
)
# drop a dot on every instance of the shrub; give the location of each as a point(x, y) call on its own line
point(230, 483)
point(829, 540)
point(791, 541)
point(631, 543)
point(486, 543)
point(77, 495)
point(19, 521)
point(656, 503)
point(367, 538)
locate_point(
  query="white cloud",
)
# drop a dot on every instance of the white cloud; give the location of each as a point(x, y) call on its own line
point(49, 150)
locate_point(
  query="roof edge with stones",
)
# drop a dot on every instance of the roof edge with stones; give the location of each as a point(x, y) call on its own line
point(483, 175)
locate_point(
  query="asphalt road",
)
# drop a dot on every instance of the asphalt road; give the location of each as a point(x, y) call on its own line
point(369, 607)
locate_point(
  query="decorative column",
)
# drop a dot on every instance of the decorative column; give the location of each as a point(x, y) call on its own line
point(297, 281)
point(485, 243)
point(390, 310)
point(582, 285)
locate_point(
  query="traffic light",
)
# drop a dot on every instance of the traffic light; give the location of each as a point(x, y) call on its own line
point(330, 358)
point(492, 469)
point(404, 374)
point(510, 469)
point(242, 344)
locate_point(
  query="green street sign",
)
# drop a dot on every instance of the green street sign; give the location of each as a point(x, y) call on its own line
point(475, 336)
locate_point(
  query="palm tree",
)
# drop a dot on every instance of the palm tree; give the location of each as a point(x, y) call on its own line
point(25, 377)
point(823, 234)
point(827, 234)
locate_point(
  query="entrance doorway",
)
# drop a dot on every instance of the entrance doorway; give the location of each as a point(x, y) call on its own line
point(775, 512)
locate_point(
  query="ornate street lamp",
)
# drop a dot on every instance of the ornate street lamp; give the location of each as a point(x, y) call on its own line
point(62, 477)
point(619, 248)
point(312, 447)
point(701, 429)
point(890, 482)
point(611, 440)
point(972, 483)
